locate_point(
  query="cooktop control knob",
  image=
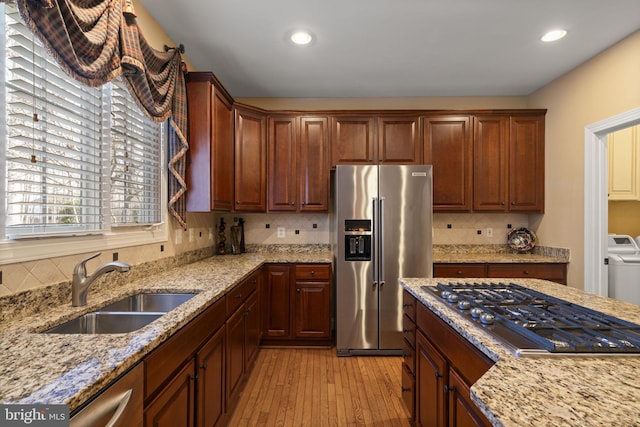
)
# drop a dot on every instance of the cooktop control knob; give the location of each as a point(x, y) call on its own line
point(452, 298)
point(464, 304)
point(445, 294)
point(487, 318)
point(476, 312)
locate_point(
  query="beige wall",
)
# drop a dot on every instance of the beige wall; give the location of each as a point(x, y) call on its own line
point(605, 86)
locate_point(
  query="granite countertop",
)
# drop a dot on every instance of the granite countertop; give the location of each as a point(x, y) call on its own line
point(57, 369)
point(499, 254)
point(549, 391)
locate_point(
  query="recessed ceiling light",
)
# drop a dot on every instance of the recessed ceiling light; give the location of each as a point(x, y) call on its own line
point(554, 35)
point(301, 37)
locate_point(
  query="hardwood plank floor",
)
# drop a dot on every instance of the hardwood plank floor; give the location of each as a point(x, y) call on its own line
point(293, 387)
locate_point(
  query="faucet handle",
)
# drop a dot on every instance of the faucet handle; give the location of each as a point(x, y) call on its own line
point(81, 267)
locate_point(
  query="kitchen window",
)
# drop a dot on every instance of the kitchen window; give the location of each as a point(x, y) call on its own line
point(74, 160)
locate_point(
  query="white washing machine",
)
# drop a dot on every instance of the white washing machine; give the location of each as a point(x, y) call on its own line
point(624, 268)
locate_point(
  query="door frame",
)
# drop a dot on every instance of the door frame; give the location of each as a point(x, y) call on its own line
point(596, 214)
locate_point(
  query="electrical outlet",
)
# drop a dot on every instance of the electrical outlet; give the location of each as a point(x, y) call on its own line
point(178, 238)
point(489, 232)
point(280, 232)
point(210, 233)
point(191, 234)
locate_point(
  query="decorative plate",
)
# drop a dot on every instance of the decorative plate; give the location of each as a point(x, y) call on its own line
point(521, 239)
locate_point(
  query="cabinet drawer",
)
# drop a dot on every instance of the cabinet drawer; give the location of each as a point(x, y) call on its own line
point(409, 305)
point(313, 271)
point(237, 295)
point(166, 359)
point(409, 357)
point(409, 330)
point(459, 270)
point(555, 272)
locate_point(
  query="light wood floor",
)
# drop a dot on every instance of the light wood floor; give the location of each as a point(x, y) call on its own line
point(314, 387)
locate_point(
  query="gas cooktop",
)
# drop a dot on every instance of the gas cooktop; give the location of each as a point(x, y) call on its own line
point(531, 323)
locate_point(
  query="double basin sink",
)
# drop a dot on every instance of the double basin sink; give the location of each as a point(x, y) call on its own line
point(125, 315)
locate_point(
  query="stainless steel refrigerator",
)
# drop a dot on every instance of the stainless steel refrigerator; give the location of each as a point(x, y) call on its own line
point(383, 231)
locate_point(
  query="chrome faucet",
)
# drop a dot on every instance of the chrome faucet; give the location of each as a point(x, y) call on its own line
point(80, 283)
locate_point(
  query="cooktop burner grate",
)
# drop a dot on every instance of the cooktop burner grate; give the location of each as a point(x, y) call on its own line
point(547, 322)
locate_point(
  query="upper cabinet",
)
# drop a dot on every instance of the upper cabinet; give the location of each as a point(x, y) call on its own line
point(250, 160)
point(298, 158)
point(375, 139)
point(211, 150)
point(624, 164)
point(448, 147)
point(508, 169)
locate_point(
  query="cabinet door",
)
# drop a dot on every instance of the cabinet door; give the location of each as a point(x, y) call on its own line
point(283, 166)
point(313, 157)
point(623, 149)
point(277, 301)
point(526, 164)
point(399, 140)
point(210, 383)
point(462, 411)
point(210, 157)
point(447, 146)
point(490, 163)
point(408, 391)
point(223, 154)
point(234, 362)
point(174, 406)
point(313, 309)
point(253, 329)
point(431, 377)
point(250, 162)
point(353, 140)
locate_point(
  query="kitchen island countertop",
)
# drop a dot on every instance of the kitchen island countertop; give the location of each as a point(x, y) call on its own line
point(554, 390)
point(69, 369)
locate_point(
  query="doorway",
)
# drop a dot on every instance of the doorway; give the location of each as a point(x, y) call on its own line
point(596, 216)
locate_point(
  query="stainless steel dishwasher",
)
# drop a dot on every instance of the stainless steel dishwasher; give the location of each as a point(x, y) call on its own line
point(119, 405)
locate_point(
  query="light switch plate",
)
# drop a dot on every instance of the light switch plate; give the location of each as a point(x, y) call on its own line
point(280, 232)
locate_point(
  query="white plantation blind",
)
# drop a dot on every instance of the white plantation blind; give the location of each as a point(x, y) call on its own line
point(75, 159)
point(135, 161)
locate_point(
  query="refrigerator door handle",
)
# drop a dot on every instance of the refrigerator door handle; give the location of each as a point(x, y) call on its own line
point(381, 234)
point(374, 257)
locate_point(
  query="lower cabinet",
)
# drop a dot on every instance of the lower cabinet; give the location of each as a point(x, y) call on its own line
point(409, 353)
point(297, 304)
point(446, 365)
point(556, 272)
point(196, 375)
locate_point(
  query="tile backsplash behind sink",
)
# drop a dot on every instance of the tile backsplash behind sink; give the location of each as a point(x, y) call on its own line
point(262, 228)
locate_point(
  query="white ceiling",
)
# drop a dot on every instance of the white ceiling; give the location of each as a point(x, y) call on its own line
point(371, 48)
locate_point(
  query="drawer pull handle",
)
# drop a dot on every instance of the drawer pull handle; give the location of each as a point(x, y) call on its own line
point(203, 366)
point(438, 375)
point(238, 296)
point(459, 273)
point(122, 405)
point(407, 331)
point(406, 389)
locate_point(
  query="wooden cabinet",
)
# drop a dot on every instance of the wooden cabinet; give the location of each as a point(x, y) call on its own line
point(242, 338)
point(312, 301)
point(250, 160)
point(197, 374)
point(623, 148)
point(211, 149)
point(556, 272)
point(509, 163)
point(446, 367)
point(297, 304)
point(409, 353)
point(210, 381)
point(353, 140)
point(171, 371)
point(376, 139)
point(298, 158)
point(448, 147)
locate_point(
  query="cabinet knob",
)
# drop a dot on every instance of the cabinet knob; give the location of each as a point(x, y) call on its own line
point(298, 290)
point(313, 272)
point(407, 331)
point(438, 375)
point(459, 273)
point(406, 389)
point(526, 271)
point(302, 203)
point(203, 366)
point(293, 203)
point(449, 389)
point(238, 296)
point(513, 203)
point(237, 202)
point(502, 203)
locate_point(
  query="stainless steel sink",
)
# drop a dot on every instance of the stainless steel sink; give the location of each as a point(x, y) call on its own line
point(158, 303)
point(100, 322)
point(125, 315)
